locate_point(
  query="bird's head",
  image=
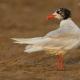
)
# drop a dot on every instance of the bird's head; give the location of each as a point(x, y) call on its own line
point(61, 14)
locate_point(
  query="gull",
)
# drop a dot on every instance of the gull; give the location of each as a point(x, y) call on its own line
point(56, 42)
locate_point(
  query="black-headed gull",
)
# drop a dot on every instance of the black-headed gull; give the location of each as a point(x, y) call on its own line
point(58, 41)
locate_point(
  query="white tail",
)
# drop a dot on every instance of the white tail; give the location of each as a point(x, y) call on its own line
point(27, 40)
point(34, 44)
point(32, 48)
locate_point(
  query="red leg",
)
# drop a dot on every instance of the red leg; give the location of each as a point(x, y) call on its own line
point(60, 62)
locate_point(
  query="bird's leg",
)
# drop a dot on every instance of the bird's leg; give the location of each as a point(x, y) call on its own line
point(59, 57)
point(59, 62)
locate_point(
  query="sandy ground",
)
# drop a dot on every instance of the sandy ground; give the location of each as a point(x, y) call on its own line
point(25, 18)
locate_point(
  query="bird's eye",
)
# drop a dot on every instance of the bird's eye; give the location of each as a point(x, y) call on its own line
point(58, 12)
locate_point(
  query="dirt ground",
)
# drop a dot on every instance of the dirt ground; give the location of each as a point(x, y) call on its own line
point(25, 18)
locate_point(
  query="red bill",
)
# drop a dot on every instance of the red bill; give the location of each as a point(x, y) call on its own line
point(50, 17)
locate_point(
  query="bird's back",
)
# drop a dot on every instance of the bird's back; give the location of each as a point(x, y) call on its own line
point(67, 29)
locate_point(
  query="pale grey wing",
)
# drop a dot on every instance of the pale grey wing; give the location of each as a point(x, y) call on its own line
point(34, 44)
point(65, 44)
point(58, 32)
point(37, 46)
point(27, 40)
point(65, 28)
